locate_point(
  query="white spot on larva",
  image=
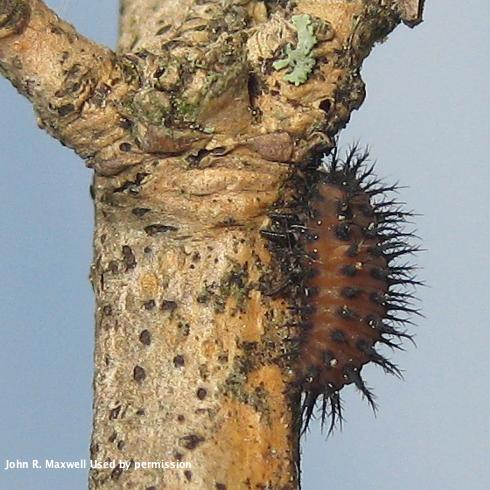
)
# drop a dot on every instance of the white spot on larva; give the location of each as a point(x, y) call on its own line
point(333, 362)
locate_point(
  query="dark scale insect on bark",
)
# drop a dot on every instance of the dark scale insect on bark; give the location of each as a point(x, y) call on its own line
point(338, 237)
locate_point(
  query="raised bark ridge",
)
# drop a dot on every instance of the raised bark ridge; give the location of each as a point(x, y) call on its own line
point(191, 128)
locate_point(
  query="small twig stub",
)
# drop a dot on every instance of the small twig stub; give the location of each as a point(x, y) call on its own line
point(411, 11)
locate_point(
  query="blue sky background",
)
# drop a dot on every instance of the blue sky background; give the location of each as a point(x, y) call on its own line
point(426, 119)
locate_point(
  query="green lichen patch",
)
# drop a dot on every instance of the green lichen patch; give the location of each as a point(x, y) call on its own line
point(185, 111)
point(300, 59)
point(149, 106)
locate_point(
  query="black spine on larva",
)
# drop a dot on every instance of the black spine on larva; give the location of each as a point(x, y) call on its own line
point(296, 224)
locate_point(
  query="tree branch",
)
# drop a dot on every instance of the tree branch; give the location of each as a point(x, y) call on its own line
point(200, 76)
point(411, 11)
point(75, 85)
point(237, 90)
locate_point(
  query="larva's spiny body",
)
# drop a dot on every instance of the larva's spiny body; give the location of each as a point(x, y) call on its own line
point(338, 244)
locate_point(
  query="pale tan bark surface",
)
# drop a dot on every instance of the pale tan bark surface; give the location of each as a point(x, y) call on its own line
point(191, 132)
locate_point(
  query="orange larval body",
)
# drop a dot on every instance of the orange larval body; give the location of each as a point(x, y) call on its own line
point(346, 291)
point(340, 259)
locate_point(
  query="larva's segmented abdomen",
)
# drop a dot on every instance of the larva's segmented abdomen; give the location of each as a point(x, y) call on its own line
point(347, 296)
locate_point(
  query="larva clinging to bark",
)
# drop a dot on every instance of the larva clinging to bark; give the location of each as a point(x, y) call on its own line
point(339, 238)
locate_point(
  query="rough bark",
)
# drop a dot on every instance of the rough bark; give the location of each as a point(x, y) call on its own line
point(192, 127)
